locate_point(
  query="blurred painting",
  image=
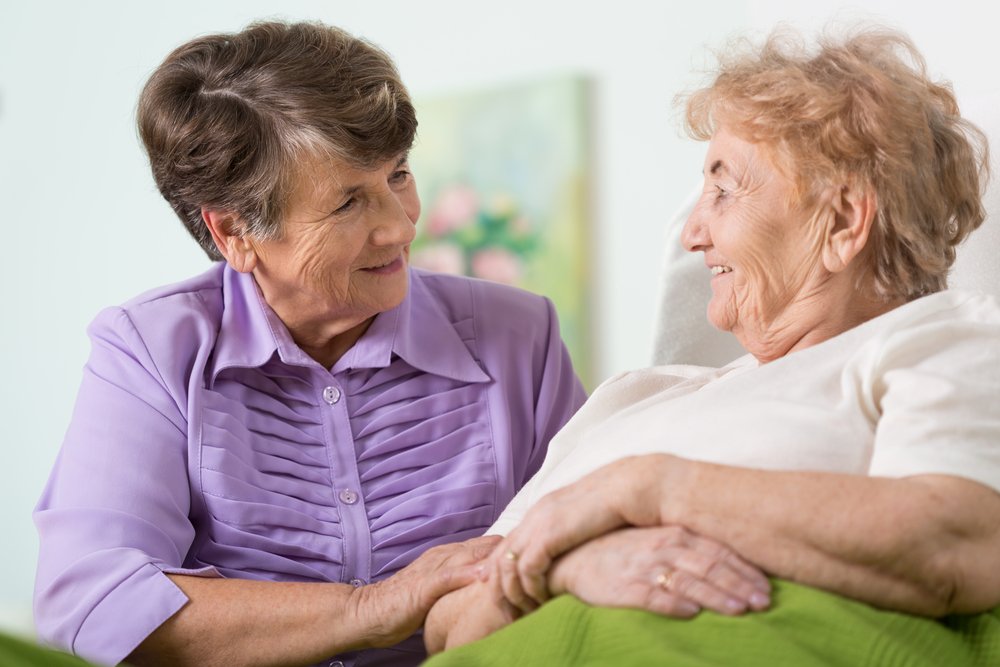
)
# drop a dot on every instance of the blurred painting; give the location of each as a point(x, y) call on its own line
point(503, 177)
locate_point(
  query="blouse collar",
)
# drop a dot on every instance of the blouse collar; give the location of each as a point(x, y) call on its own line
point(416, 330)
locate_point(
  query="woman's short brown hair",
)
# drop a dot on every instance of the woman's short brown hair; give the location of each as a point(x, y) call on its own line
point(860, 110)
point(228, 119)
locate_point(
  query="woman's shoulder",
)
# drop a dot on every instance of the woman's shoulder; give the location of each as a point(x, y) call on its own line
point(186, 314)
point(483, 301)
point(204, 287)
point(949, 307)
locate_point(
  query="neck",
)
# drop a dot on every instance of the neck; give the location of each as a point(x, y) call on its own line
point(815, 318)
point(325, 349)
point(323, 335)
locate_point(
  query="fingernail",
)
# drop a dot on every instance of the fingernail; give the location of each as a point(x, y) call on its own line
point(482, 572)
point(688, 608)
point(732, 604)
point(760, 601)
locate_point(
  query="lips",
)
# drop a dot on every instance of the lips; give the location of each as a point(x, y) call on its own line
point(390, 266)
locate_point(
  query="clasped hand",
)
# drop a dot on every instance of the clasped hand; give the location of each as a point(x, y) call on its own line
point(581, 540)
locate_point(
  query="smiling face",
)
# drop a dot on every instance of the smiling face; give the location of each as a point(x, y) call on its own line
point(763, 248)
point(343, 253)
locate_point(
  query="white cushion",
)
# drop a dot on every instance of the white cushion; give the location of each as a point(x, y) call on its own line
point(683, 334)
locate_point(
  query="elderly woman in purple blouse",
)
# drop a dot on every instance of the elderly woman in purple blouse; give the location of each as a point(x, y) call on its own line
point(265, 459)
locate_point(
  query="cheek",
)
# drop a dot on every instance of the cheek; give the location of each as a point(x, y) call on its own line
point(411, 204)
point(325, 256)
point(754, 247)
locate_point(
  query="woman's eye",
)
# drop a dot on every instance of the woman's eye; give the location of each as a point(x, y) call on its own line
point(400, 176)
point(346, 206)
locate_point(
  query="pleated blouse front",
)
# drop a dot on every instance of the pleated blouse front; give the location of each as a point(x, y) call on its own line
point(286, 470)
point(344, 475)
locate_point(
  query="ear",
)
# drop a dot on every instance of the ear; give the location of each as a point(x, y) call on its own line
point(232, 244)
point(853, 213)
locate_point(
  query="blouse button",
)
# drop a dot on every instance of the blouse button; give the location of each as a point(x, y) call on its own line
point(348, 497)
point(331, 395)
point(335, 663)
point(357, 583)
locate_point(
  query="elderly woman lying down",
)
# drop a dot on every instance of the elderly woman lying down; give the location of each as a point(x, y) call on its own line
point(856, 449)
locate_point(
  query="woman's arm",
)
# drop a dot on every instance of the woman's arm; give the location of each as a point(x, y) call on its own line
point(241, 622)
point(923, 544)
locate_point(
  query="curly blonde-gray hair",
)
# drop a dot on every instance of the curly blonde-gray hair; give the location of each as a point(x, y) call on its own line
point(860, 109)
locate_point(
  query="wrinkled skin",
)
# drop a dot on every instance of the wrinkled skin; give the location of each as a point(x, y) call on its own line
point(342, 254)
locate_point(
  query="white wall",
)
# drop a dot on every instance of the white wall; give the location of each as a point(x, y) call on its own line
point(84, 227)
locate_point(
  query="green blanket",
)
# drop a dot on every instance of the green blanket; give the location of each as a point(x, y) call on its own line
point(17, 652)
point(804, 626)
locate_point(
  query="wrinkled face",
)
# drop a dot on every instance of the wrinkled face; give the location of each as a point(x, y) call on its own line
point(342, 257)
point(762, 248)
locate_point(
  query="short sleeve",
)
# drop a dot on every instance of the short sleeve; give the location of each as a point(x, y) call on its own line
point(114, 514)
point(558, 396)
point(937, 388)
point(561, 446)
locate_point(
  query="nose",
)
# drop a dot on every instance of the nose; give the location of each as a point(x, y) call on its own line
point(694, 235)
point(395, 219)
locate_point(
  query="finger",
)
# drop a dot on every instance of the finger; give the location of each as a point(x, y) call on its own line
point(728, 572)
point(533, 573)
point(549, 530)
point(733, 583)
point(686, 585)
point(667, 604)
point(482, 547)
point(741, 584)
point(510, 581)
point(749, 572)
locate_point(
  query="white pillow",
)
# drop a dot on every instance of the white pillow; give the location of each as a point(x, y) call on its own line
point(683, 334)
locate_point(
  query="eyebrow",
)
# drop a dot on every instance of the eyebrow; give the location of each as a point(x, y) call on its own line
point(716, 167)
point(355, 188)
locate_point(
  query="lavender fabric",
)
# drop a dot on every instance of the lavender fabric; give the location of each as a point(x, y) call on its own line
point(205, 442)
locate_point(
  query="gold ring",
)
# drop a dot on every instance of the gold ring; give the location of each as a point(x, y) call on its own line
point(510, 555)
point(665, 580)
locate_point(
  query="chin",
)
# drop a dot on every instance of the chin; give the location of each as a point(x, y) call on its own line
point(720, 317)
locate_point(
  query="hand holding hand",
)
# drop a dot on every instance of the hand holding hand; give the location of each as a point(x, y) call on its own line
point(626, 492)
point(393, 609)
point(466, 615)
point(667, 570)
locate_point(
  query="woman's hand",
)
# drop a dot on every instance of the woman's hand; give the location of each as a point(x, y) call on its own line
point(667, 570)
point(626, 492)
point(466, 615)
point(393, 609)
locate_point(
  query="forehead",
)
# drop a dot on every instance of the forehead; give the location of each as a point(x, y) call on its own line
point(730, 153)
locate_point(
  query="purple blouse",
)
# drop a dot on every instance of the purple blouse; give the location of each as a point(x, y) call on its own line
point(204, 441)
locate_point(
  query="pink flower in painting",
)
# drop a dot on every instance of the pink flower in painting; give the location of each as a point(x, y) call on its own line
point(440, 257)
point(521, 226)
point(498, 265)
point(455, 208)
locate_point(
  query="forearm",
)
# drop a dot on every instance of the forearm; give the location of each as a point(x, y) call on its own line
point(242, 622)
point(922, 545)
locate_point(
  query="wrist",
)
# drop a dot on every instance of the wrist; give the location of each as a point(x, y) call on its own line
point(370, 629)
point(676, 483)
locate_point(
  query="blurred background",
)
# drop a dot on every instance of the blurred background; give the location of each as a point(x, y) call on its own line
point(83, 226)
